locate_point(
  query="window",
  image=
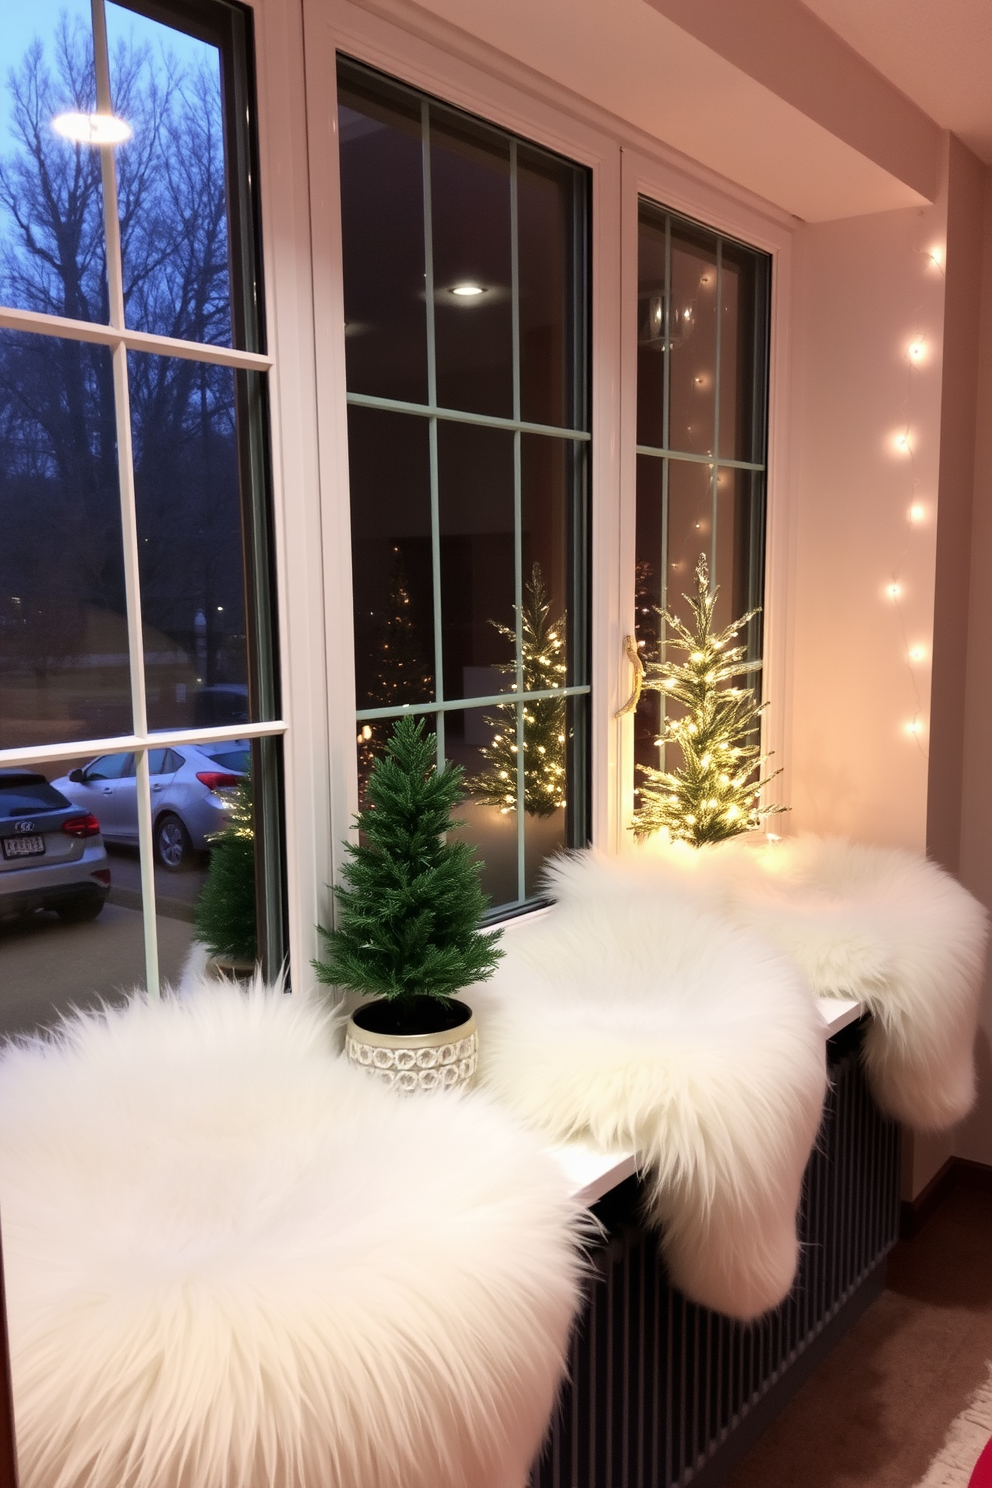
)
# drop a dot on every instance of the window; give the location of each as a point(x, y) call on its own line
point(702, 377)
point(465, 284)
point(135, 585)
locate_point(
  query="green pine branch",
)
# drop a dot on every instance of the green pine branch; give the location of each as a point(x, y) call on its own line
point(715, 793)
point(411, 902)
point(224, 916)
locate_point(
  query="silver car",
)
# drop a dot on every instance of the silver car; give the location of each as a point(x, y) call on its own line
point(192, 794)
point(51, 853)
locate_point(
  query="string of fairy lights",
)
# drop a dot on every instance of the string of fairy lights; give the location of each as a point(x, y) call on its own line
point(917, 354)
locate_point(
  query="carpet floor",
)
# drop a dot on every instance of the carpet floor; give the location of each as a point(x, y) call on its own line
point(878, 1409)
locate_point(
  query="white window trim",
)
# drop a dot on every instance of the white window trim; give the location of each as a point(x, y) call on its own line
point(305, 316)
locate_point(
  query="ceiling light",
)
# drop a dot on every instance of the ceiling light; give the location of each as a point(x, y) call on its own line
point(92, 129)
point(467, 291)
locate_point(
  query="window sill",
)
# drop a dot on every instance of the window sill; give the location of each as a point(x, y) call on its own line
point(592, 1173)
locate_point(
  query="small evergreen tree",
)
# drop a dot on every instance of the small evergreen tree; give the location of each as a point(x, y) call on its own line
point(543, 668)
point(713, 794)
point(225, 910)
point(411, 902)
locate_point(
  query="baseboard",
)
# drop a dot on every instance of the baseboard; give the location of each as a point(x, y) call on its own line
point(957, 1172)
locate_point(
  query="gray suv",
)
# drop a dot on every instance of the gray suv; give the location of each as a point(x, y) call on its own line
point(51, 854)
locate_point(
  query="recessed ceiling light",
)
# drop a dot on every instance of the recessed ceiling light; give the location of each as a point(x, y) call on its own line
point(92, 129)
point(467, 291)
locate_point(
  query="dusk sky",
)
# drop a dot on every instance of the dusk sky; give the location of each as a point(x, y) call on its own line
point(20, 23)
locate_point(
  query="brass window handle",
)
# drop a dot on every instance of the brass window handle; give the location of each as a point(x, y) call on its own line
point(634, 657)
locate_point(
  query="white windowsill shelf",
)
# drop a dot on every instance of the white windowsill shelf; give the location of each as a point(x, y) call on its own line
point(592, 1173)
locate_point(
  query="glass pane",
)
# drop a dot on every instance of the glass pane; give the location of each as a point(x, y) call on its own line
point(738, 510)
point(483, 740)
point(470, 215)
point(213, 882)
point(190, 541)
point(52, 253)
point(488, 742)
point(692, 335)
point(382, 210)
point(170, 179)
point(389, 461)
point(475, 486)
point(652, 288)
point(690, 518)
point(549, 482)
point(70, 931)
point(550, 199)
point(649, 580)
point(63, 632)
point(742, 432)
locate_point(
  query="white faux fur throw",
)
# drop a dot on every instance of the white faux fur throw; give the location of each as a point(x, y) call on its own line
point(234, 1262)
point(878, 924)
point(651, 1022)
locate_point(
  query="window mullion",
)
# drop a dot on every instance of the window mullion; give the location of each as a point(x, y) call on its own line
point(425, 126)
point(518, 557)
point(129, 518)
point(716, 411)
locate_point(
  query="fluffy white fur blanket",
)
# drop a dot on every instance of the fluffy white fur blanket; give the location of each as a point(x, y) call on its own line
point(878, 924)
point(649, 1021)
point(234, 1262)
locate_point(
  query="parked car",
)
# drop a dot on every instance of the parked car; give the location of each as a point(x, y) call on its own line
point(51, 853)
point(192, 788)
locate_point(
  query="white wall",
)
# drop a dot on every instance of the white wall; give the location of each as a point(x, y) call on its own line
point(867, 289)
point(974, 1140)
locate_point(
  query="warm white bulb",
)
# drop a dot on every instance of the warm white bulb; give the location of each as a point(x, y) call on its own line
point(92, 129)
point(917, 513)
point(915, 727)
point(893, 591)
point(467, 291)
point(901, 441)
point(935, 257)
point(917, 653)
point(917, 350)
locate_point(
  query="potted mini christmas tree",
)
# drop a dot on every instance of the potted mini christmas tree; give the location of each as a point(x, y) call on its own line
point(715, 792)
point(224, 916)
point(408, 923)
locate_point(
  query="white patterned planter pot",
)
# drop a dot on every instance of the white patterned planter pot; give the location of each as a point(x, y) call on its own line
point(441, 1060)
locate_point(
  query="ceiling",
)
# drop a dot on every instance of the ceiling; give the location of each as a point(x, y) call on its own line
point(766, 93)
point(937, 52)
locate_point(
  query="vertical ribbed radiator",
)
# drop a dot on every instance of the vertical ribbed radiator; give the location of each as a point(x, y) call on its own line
point(658, 1385)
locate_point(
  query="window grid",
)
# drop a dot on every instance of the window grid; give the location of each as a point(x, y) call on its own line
point(120, 340)
point(517, 427)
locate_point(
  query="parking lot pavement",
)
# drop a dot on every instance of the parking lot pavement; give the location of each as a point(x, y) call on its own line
point(48, 967)
point(175, 893)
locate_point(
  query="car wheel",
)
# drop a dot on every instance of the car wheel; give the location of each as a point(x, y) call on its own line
point(173, 848)
point(75, 911)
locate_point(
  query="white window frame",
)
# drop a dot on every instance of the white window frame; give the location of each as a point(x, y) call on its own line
point(120, 340)
point(428, 54)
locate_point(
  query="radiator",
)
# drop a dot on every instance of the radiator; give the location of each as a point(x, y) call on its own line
point(658, 1385)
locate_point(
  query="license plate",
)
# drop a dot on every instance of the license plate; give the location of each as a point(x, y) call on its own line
point(23, 847)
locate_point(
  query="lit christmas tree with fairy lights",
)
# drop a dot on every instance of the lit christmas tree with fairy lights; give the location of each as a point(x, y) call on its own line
point(714, 793)
point(543, 669)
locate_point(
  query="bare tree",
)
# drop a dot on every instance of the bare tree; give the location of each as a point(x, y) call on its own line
point(59, 501)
